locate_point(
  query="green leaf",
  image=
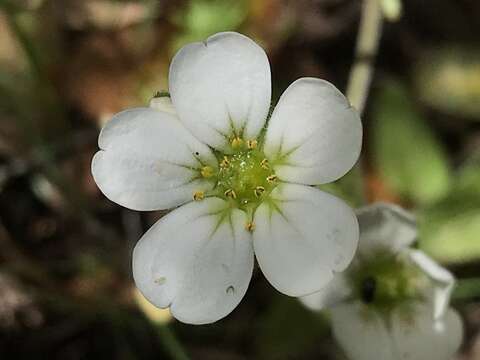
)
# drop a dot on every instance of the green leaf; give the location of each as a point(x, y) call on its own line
point(450, 229)
point(468, 177)
point(202, 18)
point(452, 238)
point(349, 187)
point(408, 155)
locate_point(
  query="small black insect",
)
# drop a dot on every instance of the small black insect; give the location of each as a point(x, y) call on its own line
point(369, 287)
point(197, 153)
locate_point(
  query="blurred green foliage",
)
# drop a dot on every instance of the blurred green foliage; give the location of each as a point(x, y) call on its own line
point(413, 162)
point(349, 187)
point(450, 229)
point(451, 234)
point(202, 18)
point(288, 329)
point(448, 79)
point(408, 155)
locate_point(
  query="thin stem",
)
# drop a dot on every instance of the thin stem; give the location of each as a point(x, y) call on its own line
point(366, 49)
point(362, 70)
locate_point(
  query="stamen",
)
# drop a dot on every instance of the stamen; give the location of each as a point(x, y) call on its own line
point(230, 193)
point(236, 142)
point(198, 195)
point(207, 171)
point(259, 190)
point(252, 144)
point(272, 178)
point(250, 226)
point(244, 176)
point(225, 162)
point(264, 164)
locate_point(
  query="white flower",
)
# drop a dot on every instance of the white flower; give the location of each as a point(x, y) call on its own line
point(392, 301)
point(251, 184)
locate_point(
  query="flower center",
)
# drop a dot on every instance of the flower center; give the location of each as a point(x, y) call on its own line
point(385, 281)
point(245, 177)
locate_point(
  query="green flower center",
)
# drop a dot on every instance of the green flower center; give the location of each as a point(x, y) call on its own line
point(244, 177)
point(385, 281)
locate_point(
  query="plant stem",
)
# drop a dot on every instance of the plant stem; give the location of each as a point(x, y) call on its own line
point(366, 49)
point(362, 69)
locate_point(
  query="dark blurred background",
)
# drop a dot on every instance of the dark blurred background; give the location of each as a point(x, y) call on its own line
point(67, 65)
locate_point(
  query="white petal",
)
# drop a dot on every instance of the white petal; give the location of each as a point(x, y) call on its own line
point(420, 337)
point(302, 237)
point(148, 160)
point(361, 333)
point(198, 260)
point(385, 226)
point(365, 334)
point(443, 281)
point(220, 84)
point(338, 290)
point(314, 135)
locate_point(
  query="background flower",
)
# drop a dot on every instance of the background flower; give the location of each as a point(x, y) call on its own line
point(392, 295)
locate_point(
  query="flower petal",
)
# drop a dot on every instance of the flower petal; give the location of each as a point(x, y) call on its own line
point(421, 337)
point(443, 281)
point(198, 260)
point(361, 333)
point(335, 292)
point(220, 86)
point(314, 135)
point(414, 336)
point(385, 226)
point(302, 237)
point(149, 161)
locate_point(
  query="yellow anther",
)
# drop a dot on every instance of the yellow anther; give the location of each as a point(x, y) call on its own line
point(236, 142)
point(225, 162)
point(207, 171)
point(264, 164)
point(250, 226)
point(259, 190)
point(272, 178)
point(198, 195)
point(252, 144)
point(230, 193)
